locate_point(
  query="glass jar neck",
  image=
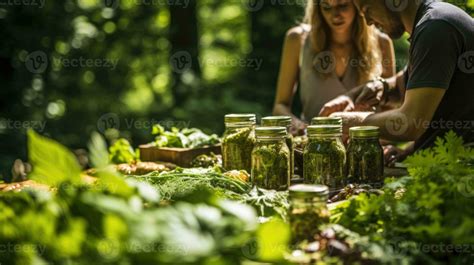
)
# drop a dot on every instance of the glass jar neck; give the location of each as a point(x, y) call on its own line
point(270, 139)
point(309, 200)
point(325, 136)
point(365, 139)
point(236, 125)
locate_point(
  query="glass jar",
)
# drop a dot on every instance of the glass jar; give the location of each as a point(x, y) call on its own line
point(238, 141)
point(326, 121)
point(308, 211)
point(283, 121)
point(324, 158)
point(365, 156)
point(271, 159)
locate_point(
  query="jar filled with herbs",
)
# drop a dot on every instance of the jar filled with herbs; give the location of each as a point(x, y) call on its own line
point(326, 121)
point(283, 121)
point(365, 155)
point(271, 159)
point(238, 141)
point(308, 211)
point(324, 158)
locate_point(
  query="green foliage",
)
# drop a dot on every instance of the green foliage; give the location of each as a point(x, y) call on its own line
point(84, 224)
point(122, 152)
point(184, 138)
point(432, 207)
point(54, 164)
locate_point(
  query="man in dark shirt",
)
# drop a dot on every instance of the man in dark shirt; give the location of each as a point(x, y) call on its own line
point(439, 93)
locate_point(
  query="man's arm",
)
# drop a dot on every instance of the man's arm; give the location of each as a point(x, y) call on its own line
point(409, 122)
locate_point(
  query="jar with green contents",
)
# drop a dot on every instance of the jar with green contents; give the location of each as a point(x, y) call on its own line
point(271, 159)
point(365, 155)
point(326, 121)
point(308, 211)
point(238, 141)
point(324, 158)
point(283, 121)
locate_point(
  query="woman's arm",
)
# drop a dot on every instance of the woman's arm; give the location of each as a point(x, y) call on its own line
point(388, 56)
point(288, 77)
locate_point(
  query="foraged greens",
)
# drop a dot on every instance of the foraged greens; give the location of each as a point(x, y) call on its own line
point(271, 165)
point(115, 220)
point(184, 138)
point(428, 214)
point(122, 152)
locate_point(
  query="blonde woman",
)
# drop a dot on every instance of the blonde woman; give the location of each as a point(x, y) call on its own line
point(332, 52)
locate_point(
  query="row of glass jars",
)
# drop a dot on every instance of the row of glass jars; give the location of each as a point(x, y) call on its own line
point(326, 161)
point(266, 152)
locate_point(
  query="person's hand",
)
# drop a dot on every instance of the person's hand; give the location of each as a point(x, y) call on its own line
point(370, 96)
point(298, 127)
point(340, 104)
point(393, 154)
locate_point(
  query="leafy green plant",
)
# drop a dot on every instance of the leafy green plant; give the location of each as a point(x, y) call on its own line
point(430, 209)
point(184, 138)
point(122, 152)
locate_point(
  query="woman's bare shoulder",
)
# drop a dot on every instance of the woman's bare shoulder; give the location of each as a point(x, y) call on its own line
point(297, 33)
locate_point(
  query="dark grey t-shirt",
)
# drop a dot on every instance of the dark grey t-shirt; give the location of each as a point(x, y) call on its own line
point(442, 57)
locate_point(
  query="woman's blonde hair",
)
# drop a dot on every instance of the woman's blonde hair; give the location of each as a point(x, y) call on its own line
point(364, 37)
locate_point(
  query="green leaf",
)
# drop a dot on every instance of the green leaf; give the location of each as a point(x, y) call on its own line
point(98, 151)
point(122, 152)
point(273, 238)
point(52, 163)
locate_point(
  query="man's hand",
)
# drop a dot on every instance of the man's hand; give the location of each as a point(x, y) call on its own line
point(298, 127)
point(339, 104)
point(371, 94)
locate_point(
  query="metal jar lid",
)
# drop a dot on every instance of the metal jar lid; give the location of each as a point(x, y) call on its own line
point(284, 121)
point(271, 132)
point(326, 121)
point(364, 132)
point(309, 191)
point(317, 130)
point(240, 118)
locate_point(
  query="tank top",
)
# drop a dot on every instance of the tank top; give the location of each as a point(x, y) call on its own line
point(316, 89)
